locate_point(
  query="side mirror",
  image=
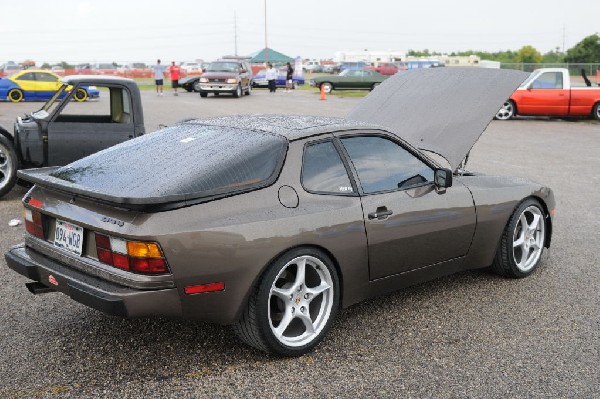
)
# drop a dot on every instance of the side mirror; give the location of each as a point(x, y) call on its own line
point(442, 178)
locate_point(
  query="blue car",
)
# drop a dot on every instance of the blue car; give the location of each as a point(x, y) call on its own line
point(38, 85)
point(260, 79)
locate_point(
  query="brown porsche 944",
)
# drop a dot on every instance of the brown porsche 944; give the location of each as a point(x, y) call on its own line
point(272, 223)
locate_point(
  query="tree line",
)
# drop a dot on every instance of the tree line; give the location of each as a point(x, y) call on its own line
point(586, 51)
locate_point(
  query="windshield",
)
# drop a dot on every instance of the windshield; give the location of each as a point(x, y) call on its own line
point(529, 79)
point(223, 67)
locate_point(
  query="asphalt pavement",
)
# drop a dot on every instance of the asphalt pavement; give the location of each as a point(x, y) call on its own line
point(472, 335)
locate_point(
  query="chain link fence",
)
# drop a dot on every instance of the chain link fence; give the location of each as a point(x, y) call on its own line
point(592, 69)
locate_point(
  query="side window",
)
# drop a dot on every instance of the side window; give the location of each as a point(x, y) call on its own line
point(323, 170)
point(45, 77)
point(26, 76)
point(383, 165)
point(548, 80)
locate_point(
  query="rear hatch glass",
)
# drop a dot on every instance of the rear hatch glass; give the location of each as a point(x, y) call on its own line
point(184, 162)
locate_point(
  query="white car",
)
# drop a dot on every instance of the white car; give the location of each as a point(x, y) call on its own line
point(191, 68)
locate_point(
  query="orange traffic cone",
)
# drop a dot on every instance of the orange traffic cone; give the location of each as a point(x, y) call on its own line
point(323, 97)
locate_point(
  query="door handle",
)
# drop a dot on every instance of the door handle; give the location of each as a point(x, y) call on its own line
point(381, 213)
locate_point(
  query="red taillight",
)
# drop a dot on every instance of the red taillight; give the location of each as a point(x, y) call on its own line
point(33, 223)
point(139, 257)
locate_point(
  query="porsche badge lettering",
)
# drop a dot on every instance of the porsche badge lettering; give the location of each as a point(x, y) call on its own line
point(119, 223)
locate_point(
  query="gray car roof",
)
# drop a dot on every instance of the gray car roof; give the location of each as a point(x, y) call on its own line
point(293, 127)
point(96, 79)
point(443, 110)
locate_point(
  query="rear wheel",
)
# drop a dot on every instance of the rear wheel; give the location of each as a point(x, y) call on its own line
point(15, 95)
point(327, 87)
point(81, 95)
point(522, 242)
point(294, 304)
point(596, 113)
point(8, 165)
point(507, 111)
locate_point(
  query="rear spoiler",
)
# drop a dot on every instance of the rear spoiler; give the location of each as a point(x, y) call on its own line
point(42, 177)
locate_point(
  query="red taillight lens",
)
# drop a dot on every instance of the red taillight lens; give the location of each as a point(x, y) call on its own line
point(148, 265)
point(33, 223)
point(198, 289)
point(140, 257)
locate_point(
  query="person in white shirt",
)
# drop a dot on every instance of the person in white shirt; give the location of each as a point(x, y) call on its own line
point(158, 77)
point(271, 78)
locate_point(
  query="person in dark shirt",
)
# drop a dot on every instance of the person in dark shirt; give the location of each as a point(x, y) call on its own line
point(289, 83)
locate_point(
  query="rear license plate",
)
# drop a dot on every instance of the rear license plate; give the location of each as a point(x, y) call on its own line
point(68, 237)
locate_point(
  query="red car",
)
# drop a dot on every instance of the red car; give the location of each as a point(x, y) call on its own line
point(389, 68)
point(548, 92)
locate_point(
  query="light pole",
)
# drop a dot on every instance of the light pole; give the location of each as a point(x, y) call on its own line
point(266, 46)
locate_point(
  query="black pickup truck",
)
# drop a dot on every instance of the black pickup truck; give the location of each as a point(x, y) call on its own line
point(63, 131)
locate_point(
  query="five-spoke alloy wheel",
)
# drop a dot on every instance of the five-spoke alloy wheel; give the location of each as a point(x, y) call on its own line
point(522, 242)
point(8, 166)
point(507, 111)
point(294, 304)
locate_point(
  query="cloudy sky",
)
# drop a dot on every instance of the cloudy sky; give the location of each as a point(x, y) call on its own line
point(129, 31)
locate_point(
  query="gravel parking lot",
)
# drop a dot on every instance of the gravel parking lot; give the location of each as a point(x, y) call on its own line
point(469, 335)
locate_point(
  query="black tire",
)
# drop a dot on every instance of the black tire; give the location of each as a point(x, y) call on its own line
point(238, 91)
point(249, 90)
point(269, 304)
point(596, 112)
point(196, 86)
point(9, 164)
point(188, 89)
point(327, 87)
point(508, 111)
point(80, 95)
point(519, 241)
point(15, 95)
point(203, 94)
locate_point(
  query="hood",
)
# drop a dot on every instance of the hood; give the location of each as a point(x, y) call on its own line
point(442, 110)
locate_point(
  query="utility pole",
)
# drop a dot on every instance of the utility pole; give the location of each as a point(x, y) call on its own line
point(235, 32)
point(266, 46)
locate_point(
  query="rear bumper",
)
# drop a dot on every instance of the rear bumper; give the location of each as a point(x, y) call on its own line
point(102, 295)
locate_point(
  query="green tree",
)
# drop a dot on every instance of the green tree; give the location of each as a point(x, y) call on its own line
point(45, 65)
point(529, 55)
point(65, 65)
point(587, 50)
point(553, 56)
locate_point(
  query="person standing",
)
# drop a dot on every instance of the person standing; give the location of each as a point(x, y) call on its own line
point(289, 78)
point(271, 78)
point(158, 77)
point(174, 70)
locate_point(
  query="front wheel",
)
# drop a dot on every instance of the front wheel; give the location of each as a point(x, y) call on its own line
point(203, 94)
point(522, 242)
point(507, 111)
point(196, 86)
point(15, 95)
point(294, 304)
point(81, 95)
point(596, 113)
point(238, 91)
point(8, 165)
point(249, 90)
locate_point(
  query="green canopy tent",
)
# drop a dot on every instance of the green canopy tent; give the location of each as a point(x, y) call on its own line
point(270, 55)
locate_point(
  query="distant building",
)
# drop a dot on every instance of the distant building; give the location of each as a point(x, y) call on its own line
point(373, 57)
point(460, 60)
